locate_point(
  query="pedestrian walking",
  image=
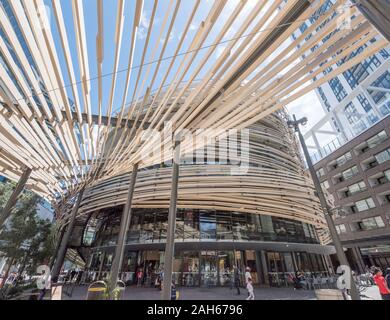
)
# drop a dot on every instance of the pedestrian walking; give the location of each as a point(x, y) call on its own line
point(248, 276)
point(249, 287)
point(139, 277)
point(382, 284)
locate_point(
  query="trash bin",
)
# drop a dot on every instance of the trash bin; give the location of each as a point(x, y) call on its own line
point(97, 291)
point(329, 294)
point(119, 290)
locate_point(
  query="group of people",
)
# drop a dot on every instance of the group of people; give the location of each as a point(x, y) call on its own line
point(150, 276)
point(298, 280)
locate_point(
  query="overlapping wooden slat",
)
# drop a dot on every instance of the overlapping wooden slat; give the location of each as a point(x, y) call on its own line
point(261, 69)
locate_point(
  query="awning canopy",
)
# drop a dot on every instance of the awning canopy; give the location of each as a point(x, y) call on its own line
point(197, 64)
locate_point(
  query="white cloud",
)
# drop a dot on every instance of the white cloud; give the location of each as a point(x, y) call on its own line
point(171, 37)
point(307, 106)
point(193, 26)
point(144, 25)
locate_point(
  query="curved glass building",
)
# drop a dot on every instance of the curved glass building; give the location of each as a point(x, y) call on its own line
point(266, 216)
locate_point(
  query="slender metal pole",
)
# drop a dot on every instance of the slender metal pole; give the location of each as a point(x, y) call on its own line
point(125, 223)
point(65, 239)
point(58, 244)
point(6, 212)
point(103, 256)
point(327, 212)
point(170, 244)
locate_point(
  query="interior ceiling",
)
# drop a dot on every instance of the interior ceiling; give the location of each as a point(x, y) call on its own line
point(198, 63)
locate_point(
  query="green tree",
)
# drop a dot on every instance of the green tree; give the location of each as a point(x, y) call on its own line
point(25, 240)
point(19, 229)
point(41, 247)
point(5, 192)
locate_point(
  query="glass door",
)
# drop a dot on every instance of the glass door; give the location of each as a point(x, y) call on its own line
point(225, 268)
point(208, 268)
point(190, 277)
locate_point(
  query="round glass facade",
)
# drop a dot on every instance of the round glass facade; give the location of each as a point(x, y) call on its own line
point(150, 225)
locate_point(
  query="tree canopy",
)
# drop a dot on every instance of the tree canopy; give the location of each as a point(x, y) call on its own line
point(26, 239)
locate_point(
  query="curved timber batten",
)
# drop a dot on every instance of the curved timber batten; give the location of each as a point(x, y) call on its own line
point(238, 65)
point(273, 182)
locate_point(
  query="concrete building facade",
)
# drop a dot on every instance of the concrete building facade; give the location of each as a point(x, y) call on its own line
point(357, 175)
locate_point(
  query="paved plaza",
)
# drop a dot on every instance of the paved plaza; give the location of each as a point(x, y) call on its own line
point(134, 293)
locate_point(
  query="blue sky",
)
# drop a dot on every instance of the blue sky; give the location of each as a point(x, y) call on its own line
point(306, 106)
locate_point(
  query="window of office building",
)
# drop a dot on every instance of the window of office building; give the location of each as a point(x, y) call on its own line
point(356, 75)
point(324, 8)
point(325, 185)
point(377, 139)
point(341, 228)
point(324, 98)
point(320, 172)
point(338, 89)
point(349, 173)
point(382, 82)
point(387, 174)
point(364, 204)
point(344, 158)
point(303, 27)
point(385, 108)
point(371, 115)
point(351, 113)
point(368, 224)
point(384, 53)
point(383, 156)
point(355, 188)
point(364, 103)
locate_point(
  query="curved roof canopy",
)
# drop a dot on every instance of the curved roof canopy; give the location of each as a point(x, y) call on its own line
point(79, 77)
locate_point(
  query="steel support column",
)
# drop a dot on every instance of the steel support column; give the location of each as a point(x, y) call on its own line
point(259, 268)
point(6, 212)
point(265, 267)
point(326, 209)
point(170, 244)
point(294, 259)
point(125, 223)
point(58, 244)
point(102, 257)
point(359, 260)
point(65, 239)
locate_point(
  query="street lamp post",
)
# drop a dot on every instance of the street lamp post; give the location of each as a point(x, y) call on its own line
point(325, 207)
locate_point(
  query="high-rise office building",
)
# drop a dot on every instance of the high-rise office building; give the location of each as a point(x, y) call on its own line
point(353, 101)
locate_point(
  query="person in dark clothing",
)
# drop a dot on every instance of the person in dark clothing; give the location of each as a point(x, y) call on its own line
point(299, 280)
point(236, 279)
point(387, 277)
point(173, 291)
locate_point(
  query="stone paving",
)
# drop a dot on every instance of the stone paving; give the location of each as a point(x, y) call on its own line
point(134, 293)
point(219, 293)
